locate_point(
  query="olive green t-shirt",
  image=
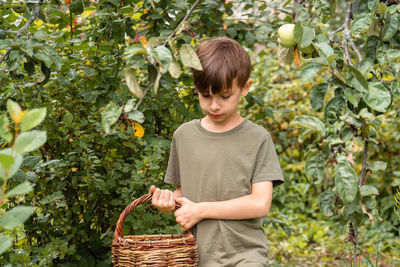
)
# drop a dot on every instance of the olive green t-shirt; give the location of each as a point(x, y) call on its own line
point(213, 166)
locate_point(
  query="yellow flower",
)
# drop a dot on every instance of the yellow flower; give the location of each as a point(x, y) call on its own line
point(138, 129)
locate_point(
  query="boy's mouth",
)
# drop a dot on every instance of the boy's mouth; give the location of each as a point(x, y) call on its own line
point(215, 115)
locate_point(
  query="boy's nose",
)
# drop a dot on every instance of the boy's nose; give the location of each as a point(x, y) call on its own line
point(215, 105)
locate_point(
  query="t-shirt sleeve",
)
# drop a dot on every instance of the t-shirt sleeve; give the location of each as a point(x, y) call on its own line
point(173, 171)
point(267, 167)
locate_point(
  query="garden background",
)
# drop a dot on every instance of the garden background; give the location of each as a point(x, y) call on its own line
point(92, 91)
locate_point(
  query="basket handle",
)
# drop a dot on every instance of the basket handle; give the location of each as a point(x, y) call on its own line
point(128, 209)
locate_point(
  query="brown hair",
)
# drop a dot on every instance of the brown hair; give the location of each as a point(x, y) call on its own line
point(223, 60)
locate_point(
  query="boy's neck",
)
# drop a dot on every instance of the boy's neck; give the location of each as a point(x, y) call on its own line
point(220, 127)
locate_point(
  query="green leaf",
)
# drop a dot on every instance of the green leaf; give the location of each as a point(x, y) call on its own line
point(14, 167)
point(15, 60)
point(5, 243)
point(250, 37)
point(322, 61)
point(317, 96)
point(13, 109)
point(354, 208)
point(392, 54)
point(16, 216)
point(285, 55)
point(352, 96)
point(324, 47)
point(392, 24)
point(6, 161)
point(366, 115)
point(29, 141)
point(30, 161)
point(174, 69)
point(23, 188)
point(89, 72)
point(189, 57)
point(377, 97)
point(315, 167)
point(396, 89)
point(334, 107)
point(57, 60)
point(309, 122)
point(326, 202)
point(33, 118)
point(163, 56)
point(304, 134)
point(154, 41)
point(371, 45)
point(135, 49)
point(361, 23)
point(367, 190)
point(359, 82)
point(130, 104)
point(372, 4)
point(136, 116)
point(309, 71)
point(381, 8)
point(346, 181)
point(377, 165)
point(308, 36)
point(4, 128)
point(39, 55)
point(133, 85)
point(298, 32)
point(109, 116)
point(5, 44)
point(332, 59)
point(365, 65)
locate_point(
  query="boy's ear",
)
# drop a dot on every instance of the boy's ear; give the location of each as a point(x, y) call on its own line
point(246, 88)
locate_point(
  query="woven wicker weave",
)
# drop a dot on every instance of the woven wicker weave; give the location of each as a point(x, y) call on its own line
point(152, 250)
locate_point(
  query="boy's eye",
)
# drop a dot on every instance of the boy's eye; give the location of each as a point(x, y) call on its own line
point(226, 96)
point(205, 95)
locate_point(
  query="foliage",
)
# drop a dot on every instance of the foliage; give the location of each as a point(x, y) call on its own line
point(115, 80)
point(352, 102)
point(22, 140)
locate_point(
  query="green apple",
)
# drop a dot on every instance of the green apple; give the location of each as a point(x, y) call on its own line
point(286, 35)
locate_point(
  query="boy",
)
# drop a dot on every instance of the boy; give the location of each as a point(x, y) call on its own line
point(223, 165)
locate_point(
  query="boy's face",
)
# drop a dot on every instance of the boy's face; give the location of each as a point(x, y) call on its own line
point(222, 108)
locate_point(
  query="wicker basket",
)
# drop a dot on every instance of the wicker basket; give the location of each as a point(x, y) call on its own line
point(152, 250)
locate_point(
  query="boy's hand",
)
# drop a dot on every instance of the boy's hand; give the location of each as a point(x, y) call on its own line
point(163, 200)
point(188, 215)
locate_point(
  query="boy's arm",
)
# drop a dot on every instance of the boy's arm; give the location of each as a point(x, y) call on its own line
point(255, 205)
point(164, 200)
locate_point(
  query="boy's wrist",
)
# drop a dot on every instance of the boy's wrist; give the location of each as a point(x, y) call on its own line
point(203, 208)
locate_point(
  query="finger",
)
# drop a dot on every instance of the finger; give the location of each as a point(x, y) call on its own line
point(156, 196)
point(152, 188)
point(166, 197)
point(171, 202)
point(161, 198)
